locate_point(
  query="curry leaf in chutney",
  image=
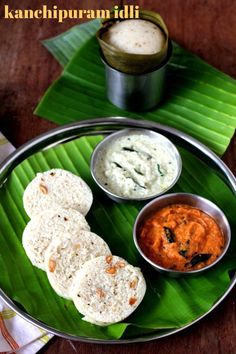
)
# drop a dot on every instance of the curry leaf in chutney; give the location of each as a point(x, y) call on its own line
point(169, 234)
point(199, 258)
point(183, 252)
point(159, 170)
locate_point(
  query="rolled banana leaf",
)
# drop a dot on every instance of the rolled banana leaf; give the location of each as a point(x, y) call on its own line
point(134, 63)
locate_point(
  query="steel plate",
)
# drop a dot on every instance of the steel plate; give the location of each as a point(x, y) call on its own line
point(106, 126)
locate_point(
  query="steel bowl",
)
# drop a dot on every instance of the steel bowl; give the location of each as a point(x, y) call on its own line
point(192, 200)
point(101, 147)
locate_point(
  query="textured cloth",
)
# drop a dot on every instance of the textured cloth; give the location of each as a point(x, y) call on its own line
point(5, 148)
point(16, 334)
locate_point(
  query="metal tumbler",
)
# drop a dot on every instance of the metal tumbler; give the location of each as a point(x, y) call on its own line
point(136, 92)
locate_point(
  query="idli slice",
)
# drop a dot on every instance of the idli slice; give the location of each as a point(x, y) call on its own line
point(47, 225)
point(54, 188)
point(65, 256)
point(108, 289)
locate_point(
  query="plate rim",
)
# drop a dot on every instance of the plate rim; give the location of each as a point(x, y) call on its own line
point(62, 134)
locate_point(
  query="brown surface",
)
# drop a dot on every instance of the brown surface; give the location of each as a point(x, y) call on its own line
point(207, 28)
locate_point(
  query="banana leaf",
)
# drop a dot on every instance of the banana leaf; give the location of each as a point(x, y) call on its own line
point(200, 100)
point(168, 303)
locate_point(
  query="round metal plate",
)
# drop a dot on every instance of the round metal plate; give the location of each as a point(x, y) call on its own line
point(106, 126)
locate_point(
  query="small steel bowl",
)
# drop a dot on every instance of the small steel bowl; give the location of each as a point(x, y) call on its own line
point(126, 132)
point(192, 200)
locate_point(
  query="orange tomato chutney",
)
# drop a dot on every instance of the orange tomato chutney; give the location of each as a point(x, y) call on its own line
point(181, 237)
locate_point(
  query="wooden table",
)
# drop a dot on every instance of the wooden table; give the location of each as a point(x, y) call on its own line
point(207, 28)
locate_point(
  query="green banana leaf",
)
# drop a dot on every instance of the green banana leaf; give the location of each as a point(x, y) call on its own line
point(200, 100)
point(168, 303)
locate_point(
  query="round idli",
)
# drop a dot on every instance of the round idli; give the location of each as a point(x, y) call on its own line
point(66, 255)
point(135, 36)
point(54, 188)
point(46, 226)
point(108, 289)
